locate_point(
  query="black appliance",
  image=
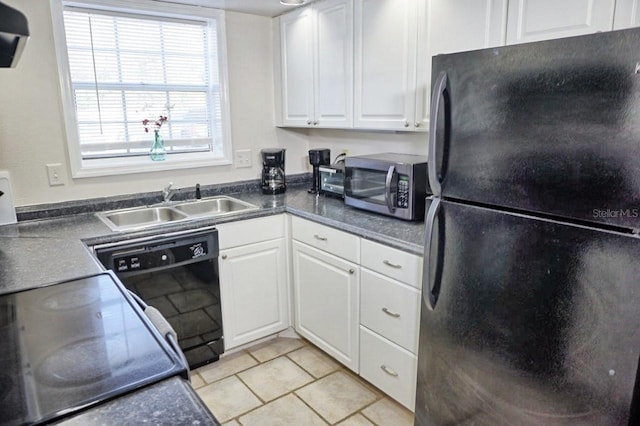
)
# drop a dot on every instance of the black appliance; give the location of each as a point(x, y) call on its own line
point(318, 157)
point(75, 344)
point(531, 289)
point(273, 177)
point(178, 275)
point(332, 180)
point(390, 184)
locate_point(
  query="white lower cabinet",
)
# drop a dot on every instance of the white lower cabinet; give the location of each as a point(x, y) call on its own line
point(326, 291)
point(359, 301)
point(390, 308)
point(390, 367)
point(253, 279)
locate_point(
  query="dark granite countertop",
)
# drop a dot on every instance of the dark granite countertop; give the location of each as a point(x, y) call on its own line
point(51, 249)
point(169, 402)
point(406, 236)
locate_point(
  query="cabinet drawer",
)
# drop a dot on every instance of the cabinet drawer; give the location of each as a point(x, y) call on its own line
point(391, 368)
point(402, 266)
point(243, 232)
point(390, 308)
point(338, 243)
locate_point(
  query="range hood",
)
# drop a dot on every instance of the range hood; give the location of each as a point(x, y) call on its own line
point(14, 32)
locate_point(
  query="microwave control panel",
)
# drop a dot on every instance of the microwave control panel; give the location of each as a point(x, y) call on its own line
point(403, 192)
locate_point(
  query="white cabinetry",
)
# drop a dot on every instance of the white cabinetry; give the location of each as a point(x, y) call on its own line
point(316, 54)
point(253, 279)
point(326, 289)
point(534, 20)
point(385, 64)
point(326, 306)
point(627, 14)
point(390, 320)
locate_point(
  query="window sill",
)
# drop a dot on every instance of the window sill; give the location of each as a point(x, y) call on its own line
point(121, 166)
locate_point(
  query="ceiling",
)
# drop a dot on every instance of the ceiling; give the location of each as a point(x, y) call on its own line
point(256, 7)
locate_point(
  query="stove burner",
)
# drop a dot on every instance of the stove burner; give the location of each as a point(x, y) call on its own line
point(70, 299)
point(84, 362)
point(6, 386)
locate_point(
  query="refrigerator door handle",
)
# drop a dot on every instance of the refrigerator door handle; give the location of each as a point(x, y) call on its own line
point(436, 97)
point(387, 189)
point(429, 293)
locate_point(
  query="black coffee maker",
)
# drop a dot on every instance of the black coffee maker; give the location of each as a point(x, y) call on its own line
point(273, 178)
point(318, 157)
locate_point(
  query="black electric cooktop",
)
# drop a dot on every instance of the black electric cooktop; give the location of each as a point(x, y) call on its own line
point(72, 345)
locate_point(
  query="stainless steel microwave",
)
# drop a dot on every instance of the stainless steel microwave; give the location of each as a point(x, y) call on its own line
point(391, 184)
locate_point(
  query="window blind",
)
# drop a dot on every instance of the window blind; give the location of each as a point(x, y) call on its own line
point(125, 68)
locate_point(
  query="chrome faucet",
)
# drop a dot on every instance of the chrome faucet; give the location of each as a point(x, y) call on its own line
point(168, 193)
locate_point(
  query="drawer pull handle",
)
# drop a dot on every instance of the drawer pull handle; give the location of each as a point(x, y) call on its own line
point(388, 370)
point(224, 256)
point(318, 237)
point(352, 271)
point(391, 314)
point(393, 265)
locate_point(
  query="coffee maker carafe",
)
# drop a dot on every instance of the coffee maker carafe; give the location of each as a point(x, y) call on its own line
point(318, 157)
point(273, 177)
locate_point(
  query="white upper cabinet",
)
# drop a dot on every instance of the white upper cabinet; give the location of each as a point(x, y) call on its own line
point(534, 20)
point(385, 64)
point(627, 14)
point(296, 38)
point(316, 53)
point(446, 26)
point(333, 71)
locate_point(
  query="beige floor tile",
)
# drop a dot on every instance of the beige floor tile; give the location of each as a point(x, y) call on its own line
point(227, 366)
point(275, 378)
point(231, 423)
point(336, 396)
point(288, 410)
point(228, 398)
point(196, 381)
point(274, 348)
point(357, 420)
point(388, 412)
point(314, 361)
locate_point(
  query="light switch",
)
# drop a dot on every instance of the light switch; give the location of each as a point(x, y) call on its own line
point(56, 174)
point(242, 158)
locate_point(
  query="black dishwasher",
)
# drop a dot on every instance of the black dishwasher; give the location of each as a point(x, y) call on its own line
point(177, 274)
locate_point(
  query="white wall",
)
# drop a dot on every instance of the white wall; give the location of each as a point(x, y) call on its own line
point(32, 133)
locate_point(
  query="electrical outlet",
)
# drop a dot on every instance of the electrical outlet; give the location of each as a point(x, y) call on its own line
point(242, 158)
point(55, 173)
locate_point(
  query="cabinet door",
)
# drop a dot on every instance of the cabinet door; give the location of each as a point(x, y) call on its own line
point(534, 20)
point(627, 14)
point(296, 38)
point(253, 287)
point(385, 64)
point(446, 26)
point(333, 73)
point(326, 302)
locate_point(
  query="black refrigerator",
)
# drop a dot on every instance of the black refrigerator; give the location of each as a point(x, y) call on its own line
point(531, 286)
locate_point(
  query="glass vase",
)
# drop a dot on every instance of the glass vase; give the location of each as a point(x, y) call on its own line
point(157, 152)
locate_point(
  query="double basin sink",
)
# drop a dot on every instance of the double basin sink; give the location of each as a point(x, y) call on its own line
point(146, 217)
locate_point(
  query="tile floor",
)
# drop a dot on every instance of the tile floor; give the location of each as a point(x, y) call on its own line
point(291, 382)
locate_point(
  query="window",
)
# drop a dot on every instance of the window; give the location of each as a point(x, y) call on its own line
point(120, 66)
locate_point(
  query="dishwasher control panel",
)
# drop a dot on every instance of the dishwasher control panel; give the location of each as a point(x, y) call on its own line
point(159, 253)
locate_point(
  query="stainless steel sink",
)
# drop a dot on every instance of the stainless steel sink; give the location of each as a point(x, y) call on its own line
point(214, 206)
point(146, 217)
point(142, 217)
